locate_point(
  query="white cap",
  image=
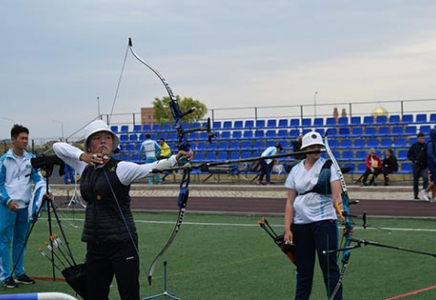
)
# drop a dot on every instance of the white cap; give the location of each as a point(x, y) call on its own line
point(97, 126)
point(310, 139)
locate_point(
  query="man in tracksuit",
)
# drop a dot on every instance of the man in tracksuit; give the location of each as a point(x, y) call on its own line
point(150, 150)
point(15, 195)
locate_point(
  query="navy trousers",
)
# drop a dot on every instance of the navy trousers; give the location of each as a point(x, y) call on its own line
point(310, 239)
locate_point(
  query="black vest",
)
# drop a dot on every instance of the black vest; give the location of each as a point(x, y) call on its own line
point(103, 220)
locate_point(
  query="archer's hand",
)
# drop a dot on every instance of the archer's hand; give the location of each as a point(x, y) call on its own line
point(288, 237)
point(184, 155)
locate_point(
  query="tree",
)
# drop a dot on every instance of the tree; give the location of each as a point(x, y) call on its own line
point(162, 111)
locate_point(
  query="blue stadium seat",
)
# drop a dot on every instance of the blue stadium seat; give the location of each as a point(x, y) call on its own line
point(333, 143)
point(294, 123)
point(425, 129)
point(330, 121)
point(410, 130)
point(124, 138)
point(332, 132)
point(372, 143)
point(259, 134)
point(294, 133)
point(386, 143)
point(156, 127)
point(344, 131)
point(199, 157)
point(360, 155)
point(248, 134)
point(246, 145)
point(225, 135)
point(235, 146)
point(432, 119)
point(271, 123)
point(234, 155)
point(306, 122)
point(397, 131)
point(361, 168)
point(347, 155)
point(384, 131)
point(227, 125)
point(237, 134)
point(356, 132)
point(368, 121)
point(381, 120)
point(133, 137)
point(355, 121)
point(343, 121)
point(321, 131)
point(400, 142)
point(114, 128)
point(351, 167)
point(260, 124)
point(282, 133)
point(146, 128)
point(216, 125)
point(212, 147)
point(249, 124)
point(421, 118)
point(407, 119)
point(406, 168)
point(222, 155)
point(394, 120)
point(258, 146)
point(318, 122)
point(141, 137)
point(283, 123)
point(370, 131)
point(166, 127)
point(238, 124)
point(402, 155)
point(124, 128)
point(211, 156)
point(345, 144)
point(224, 146)
point(359, 144)
point(137, 128)
point(270, 134)
point(201, 146)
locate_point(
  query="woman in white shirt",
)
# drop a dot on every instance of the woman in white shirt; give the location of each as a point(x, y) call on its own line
point(311, 225)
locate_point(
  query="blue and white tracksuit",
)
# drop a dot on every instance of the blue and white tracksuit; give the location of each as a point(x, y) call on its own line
point(266, 163)
point(149, 151)
point(16, 186)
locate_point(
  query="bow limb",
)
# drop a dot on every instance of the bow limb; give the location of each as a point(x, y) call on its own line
point(182, 145)
point(347, 221)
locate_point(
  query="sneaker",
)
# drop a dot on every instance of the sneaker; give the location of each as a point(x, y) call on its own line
point(433, 200)
point(270, 183)
point(260, 182)
point(24, 279)
point(10, 283)
point(425, 195)
point(417, 198)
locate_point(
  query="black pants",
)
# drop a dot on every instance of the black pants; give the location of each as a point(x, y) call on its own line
point(103, 261)
point(374, 176)
point(419, 172)
point(265, 170)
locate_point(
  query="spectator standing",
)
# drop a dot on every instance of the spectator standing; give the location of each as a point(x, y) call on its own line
point(373, 166)
point(165, 150)
point(266, 164)
point(390, 165)
point(417, 154)
point(15, 195)
point(69, 174)
point(431, 164)
point(149, 151)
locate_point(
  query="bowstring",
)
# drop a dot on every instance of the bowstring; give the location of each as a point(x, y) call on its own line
point(119, 84)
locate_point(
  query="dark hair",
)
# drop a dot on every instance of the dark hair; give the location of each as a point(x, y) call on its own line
point(148, 136)
point(17, 129)
point(279, 147)
point(420, 135)
point(162, 139)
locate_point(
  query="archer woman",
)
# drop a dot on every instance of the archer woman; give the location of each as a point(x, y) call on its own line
point(311, 225)
point(109, 229)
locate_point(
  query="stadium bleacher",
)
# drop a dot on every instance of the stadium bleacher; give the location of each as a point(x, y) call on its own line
point(350, 137)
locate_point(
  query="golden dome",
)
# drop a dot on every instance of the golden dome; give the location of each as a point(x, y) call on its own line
point(380, 111)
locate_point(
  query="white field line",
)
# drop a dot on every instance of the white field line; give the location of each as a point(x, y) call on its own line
point(256, 225)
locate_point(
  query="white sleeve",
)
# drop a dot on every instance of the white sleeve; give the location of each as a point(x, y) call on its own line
point(70, 155)
point(128, 172)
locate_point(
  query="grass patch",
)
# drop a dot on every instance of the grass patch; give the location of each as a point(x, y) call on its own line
point(223, 257)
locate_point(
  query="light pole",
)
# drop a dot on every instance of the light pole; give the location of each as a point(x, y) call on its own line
point(314, 103)
point(98, 103)
point(13, 121)
point(62, 128)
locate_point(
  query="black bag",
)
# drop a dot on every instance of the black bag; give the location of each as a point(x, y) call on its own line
point(76, 278)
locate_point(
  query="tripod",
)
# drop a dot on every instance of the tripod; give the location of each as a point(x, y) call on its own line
point(47, 165)
point(165, 293)
point(75, 197)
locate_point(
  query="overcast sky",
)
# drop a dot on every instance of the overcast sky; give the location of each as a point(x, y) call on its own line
point(57, 57)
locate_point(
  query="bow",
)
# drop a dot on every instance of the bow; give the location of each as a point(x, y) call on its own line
point(183, 144)
point(348, 242)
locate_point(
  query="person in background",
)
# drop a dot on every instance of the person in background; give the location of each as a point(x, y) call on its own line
point(149, 151)
point(69, 174)
point(266, 164)
point(15, 195)
point(314, 190)
point(431, 164)
point(373, 166)
point(109, 230)
point(390, 165)
point(417, 154)
point(165, 150)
